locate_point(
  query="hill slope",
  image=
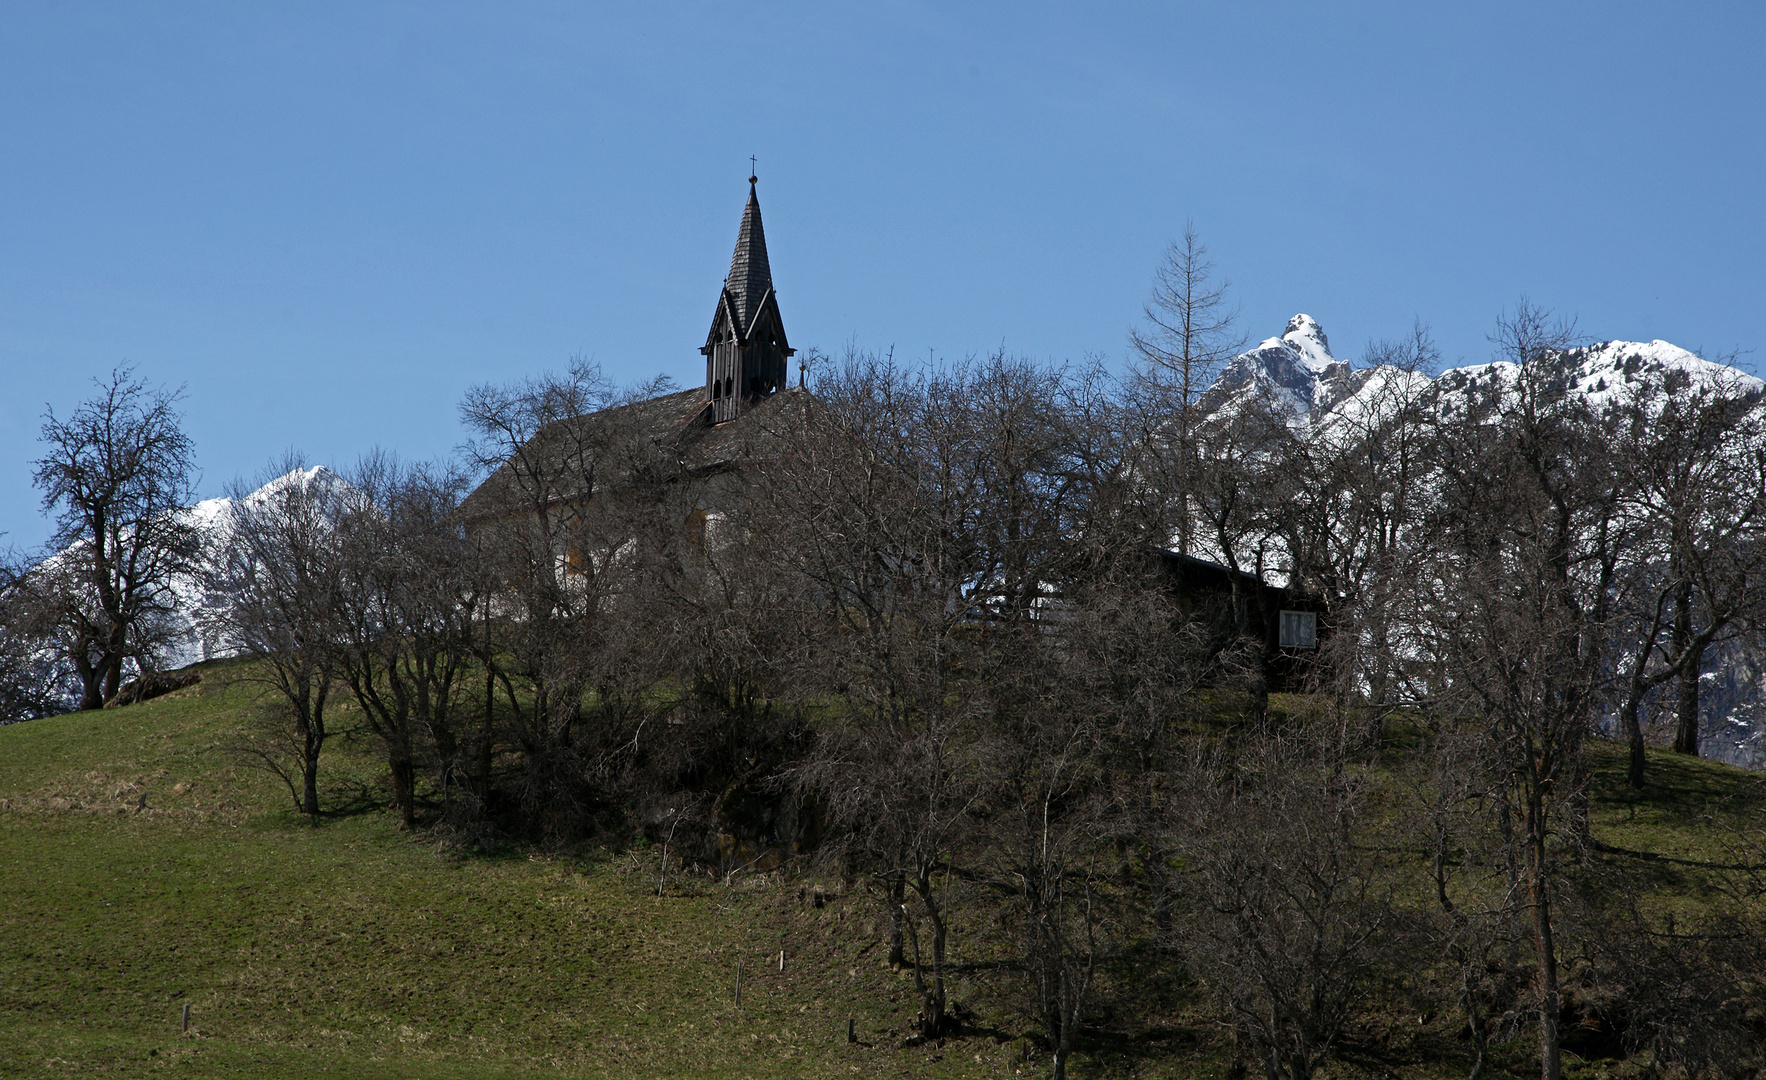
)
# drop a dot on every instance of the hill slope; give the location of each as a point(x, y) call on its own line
point(146, 868)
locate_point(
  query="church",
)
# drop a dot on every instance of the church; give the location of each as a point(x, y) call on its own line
point(693, 435)
point(590, 480)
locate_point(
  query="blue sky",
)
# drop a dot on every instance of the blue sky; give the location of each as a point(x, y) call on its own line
point(326, 221)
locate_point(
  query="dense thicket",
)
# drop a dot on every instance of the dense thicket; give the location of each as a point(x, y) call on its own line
point(917, 633)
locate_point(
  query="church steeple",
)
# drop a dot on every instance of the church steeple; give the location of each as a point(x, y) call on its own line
point(746, 349)
point(750, 277)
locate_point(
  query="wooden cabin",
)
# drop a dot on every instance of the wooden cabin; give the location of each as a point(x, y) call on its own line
point(1288, 623)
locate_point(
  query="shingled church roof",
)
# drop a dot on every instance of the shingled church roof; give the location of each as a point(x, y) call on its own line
point(751, 278)
point(672, 435)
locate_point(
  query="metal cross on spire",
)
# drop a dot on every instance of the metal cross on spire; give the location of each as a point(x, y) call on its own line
point(751, 168)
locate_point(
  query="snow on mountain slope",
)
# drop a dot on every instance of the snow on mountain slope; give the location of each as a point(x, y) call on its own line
point(1615, 371)
point(1307, 338)
point(1608, 374)
point(1357, 400)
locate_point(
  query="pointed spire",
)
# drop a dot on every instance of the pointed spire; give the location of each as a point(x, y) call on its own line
point(750, 276)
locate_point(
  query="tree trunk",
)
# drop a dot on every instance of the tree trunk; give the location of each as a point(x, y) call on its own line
point(1545, 949)
point(1579, 828)
point(404, 783)
point(113, 681)
point(897, 939)
point(113, 670)
point(1159, 882)
point(309, 800)
point(1686, 713)
point(455, 769)
point(310, 724)
point(91, 688)
point(1628, 719)
point(935, 1002)
point(932, 1020)
point(485, 746)
point(1685, 741)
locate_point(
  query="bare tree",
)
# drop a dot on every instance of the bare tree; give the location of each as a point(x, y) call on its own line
point(568, 517)
point(1345, 496)
point(1188, 337)
point(1058, 893)
point(33, 680)
point(1479, 923)
point(117, 472)
point(402, 637)
point(1509, 605)
point(1691, 543)
point(1088, 708)
point(730, 632)
point(886, 541)
point(543, 472)
point(277, 583)
point(1288, 913)
point(941, 514)
point(1189, 334)
point(1680, 984)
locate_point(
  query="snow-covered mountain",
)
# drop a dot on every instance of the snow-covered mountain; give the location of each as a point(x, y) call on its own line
point(1297, 373)
point(1609, 374)
point(1325, 398)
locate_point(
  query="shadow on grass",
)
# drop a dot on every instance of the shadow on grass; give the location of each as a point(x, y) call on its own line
point(1677, 784)
point(350, 798)
point(1127, 1053)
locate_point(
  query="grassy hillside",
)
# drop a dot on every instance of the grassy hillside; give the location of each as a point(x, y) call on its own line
point(142, 867)
point(352, 949)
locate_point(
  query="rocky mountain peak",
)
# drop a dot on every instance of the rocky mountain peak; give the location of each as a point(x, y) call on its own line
point(1304, 334)
point(1296, 371)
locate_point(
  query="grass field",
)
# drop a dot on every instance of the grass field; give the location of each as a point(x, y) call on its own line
point(143, 868)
